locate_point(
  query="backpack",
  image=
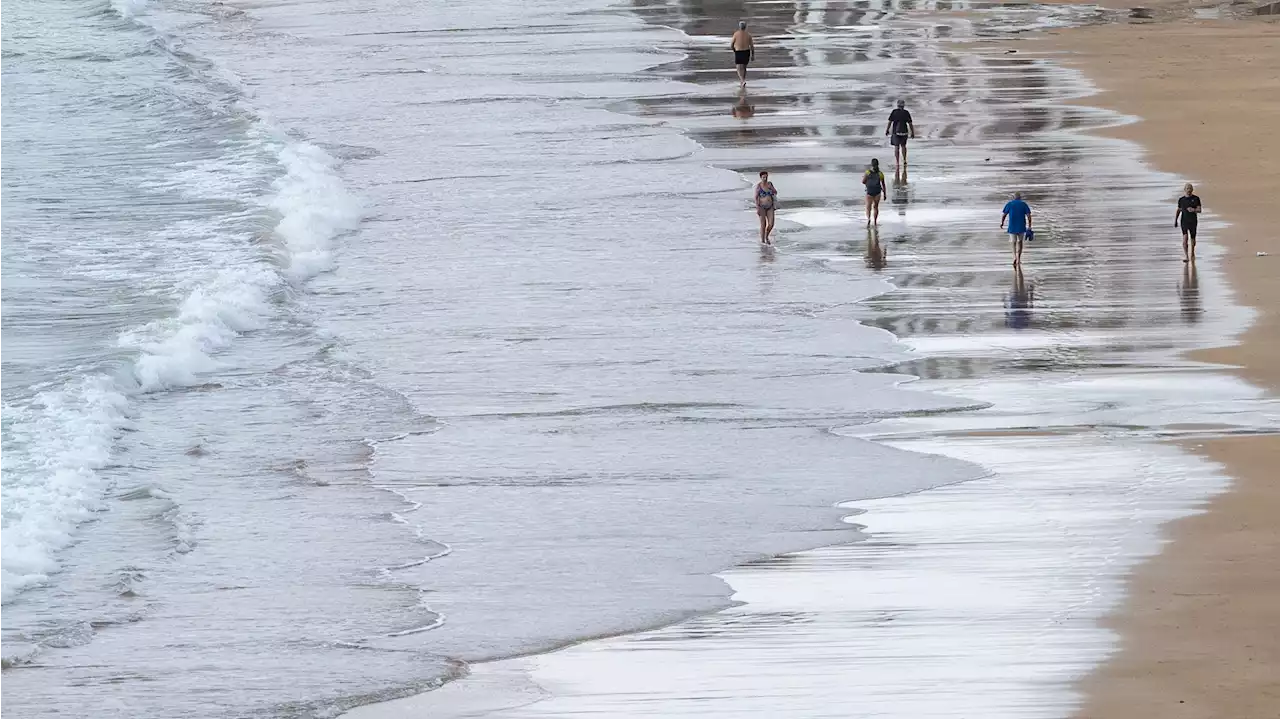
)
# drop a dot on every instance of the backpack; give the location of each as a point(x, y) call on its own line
point(872, 181)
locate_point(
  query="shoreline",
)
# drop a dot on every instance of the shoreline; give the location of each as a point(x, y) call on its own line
point(1192, 625)
point(456, 697)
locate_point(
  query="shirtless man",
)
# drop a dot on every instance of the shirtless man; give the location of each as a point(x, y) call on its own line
point(744, 51)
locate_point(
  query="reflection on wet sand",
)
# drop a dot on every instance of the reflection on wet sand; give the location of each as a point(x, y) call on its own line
point(936, 613)
point(743, 109)
point(1189, 294)
point(1019, 301)
point(877, 257)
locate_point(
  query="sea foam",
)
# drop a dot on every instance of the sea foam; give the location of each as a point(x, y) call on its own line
point(313, 209)
point(54, 447)
point(128, 9)
point(56, 442)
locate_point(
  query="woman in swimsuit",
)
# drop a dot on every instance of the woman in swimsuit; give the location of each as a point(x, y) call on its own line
point(874, 180)
point(766, 204)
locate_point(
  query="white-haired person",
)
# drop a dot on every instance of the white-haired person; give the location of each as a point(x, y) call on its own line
point(744, 51)
point(1018, 214)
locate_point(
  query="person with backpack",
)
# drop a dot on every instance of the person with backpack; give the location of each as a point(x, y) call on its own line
point(1018, 214)
point(899, 128)
point(873, 179)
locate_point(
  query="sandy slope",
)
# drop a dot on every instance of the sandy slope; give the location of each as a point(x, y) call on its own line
point(1201, 628)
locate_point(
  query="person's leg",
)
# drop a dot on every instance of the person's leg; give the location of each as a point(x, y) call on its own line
point(1193, 243)
point(764, 233)
point(742, 75)
point(1017, 250)
point(1185, 240)
point(897, 153)
point(868, 210)
point(903, 147)
point(875, 207)
point(768, 230)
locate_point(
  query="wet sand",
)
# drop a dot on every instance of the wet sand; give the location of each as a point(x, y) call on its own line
point(1198, 628)
point(994, 588)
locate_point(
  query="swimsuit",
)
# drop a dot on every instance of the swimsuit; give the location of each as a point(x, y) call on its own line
point(769, 193)
point(741, 57)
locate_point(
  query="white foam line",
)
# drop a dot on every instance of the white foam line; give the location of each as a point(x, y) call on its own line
point(63, 436)
point(436, 624)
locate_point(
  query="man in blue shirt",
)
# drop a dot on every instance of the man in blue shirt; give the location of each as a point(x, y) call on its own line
point(1018, 214)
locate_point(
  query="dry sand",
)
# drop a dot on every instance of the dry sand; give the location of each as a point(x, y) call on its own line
point(1201, 627)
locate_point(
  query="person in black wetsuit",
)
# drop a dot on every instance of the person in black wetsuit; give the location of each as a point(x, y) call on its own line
point(1188, 216)
point(899, 128)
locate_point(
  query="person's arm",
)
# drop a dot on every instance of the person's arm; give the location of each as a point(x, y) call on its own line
point(912, 127)
point(888, 124)
point(1177, 214)
point(751, 45)
point(1004, 217)
point(1028, 218)
point(1196, 208)
point(864, 177)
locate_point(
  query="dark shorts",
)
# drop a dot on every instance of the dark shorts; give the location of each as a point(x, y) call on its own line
point(896, 140)
point(1189, 223)
point(741, 57)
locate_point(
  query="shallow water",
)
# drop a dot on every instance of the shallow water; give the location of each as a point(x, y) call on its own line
point(421, 348)
point(981, 598)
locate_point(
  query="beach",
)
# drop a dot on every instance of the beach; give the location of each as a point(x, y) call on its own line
point(379, 360)
point(1194, 625)
point(937, 594)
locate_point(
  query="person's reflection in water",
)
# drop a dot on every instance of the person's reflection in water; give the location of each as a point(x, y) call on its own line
point(767, 273)
point(1019, 302)
point(877, 256)
point(1189, 294)
point(900, 197)
point(743, 110)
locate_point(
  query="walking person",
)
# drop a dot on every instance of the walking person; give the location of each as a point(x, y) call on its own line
point(899, 128)
point(1188, 216)
point(873, 179)
point(744, 51)
point(1018, 213)
point(766, 206)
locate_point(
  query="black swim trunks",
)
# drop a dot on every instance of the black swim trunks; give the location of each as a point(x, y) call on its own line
point(1189, 223)
point(741, 57)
